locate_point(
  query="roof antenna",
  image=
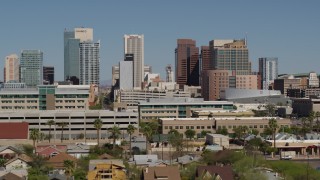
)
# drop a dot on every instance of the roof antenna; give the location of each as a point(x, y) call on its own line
point(246, 39)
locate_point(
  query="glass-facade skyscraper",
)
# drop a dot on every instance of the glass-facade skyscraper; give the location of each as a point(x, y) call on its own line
point(81, 56)
point(268, 70)
point(31, 65)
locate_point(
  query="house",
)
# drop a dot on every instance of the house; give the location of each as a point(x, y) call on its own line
point(137, 142)
point(149, 160)
point(168, 173)
point(57, 161)
point(215, 172)
point(12, 176)
point(56, 175)
point(8, 152)
point(186, 159)
point(106, 169)
point(20, 162)
point(50, 150)
point(78, 150)
point(20, 174)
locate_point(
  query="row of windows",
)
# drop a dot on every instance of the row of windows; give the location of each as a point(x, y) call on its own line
point(187, 127)
point(250, 126)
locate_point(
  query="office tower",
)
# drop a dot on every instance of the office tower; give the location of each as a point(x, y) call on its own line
point(115, 74)
point(81, 56)
point(126, 74)
point(187, 63)
point(170, 75)
point(205, 58)
point(313, 80)
point(268, 70)
point(89, 63)
point(134, 44)
point(48, 74)
point(12, 68)
point(230, 55)
point(31, 67)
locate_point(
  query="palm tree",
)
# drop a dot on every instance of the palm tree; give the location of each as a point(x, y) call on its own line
point(34, 135)
point(130, 131)
point(69, 167)
point(115, 133)
point(50, 123)
point(273, 125)
point(189, 134)
point(98, 124)
point(147, 131)
point(62, 125)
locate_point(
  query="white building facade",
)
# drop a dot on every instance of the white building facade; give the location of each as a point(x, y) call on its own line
point(134, 44)
point(268, 69)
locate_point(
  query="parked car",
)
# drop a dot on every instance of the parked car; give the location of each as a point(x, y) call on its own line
point(287, 157)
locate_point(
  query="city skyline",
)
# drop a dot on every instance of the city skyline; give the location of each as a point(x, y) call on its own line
point(286, 32)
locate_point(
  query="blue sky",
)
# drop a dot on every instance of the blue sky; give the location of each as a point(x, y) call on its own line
point(286, 29)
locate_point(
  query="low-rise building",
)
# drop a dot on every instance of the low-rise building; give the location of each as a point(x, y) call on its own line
point(78, 150)
point(183, 124)
point(178, 107)
point(215, 172)
point(20, 162)
point(79, 122)
point(213, 123)
point(46, 97)
point(219, 139)
point(303, 106)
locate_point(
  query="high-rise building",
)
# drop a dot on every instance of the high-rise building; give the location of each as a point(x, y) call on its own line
point(134, 44)
point(170, 74)
point(187, 63)
point(230, 55)
point(126, 75)
point(81, 56)
point(48, 74)
point(115, 74)
point(89, 63)
point(12, 66)
point(31, 67)
point(205, 58)
point(268, 70)
point(313, 80)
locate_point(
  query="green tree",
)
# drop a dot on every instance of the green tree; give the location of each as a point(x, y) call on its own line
point(34, 135)
point(62, 125)
point(2, 162)
point(115, 133)
point(176, 140)
point(254, 132)
point(130, 131)
point(240, 131)
point(305, 126)
point(203, 133)
point(50, 123)
point(69, 167)
point(223, 131)
point(97, 125)
point(147, 131)
point(273, 125)
point(270, 109)
point(189, 134)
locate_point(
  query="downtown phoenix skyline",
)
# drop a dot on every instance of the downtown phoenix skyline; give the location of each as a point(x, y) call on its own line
point(288, 30)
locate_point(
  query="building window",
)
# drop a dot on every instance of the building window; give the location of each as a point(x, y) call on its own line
point(181, 127)
point(261, 126)
point(166, 127)
point(177, 127)
point(187, 127)
point(198, 127)
point(202, 127)
point(254, 126)
point(208, 127)
point(192, 127)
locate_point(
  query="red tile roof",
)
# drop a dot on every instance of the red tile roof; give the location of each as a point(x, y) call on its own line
point(14, 130)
